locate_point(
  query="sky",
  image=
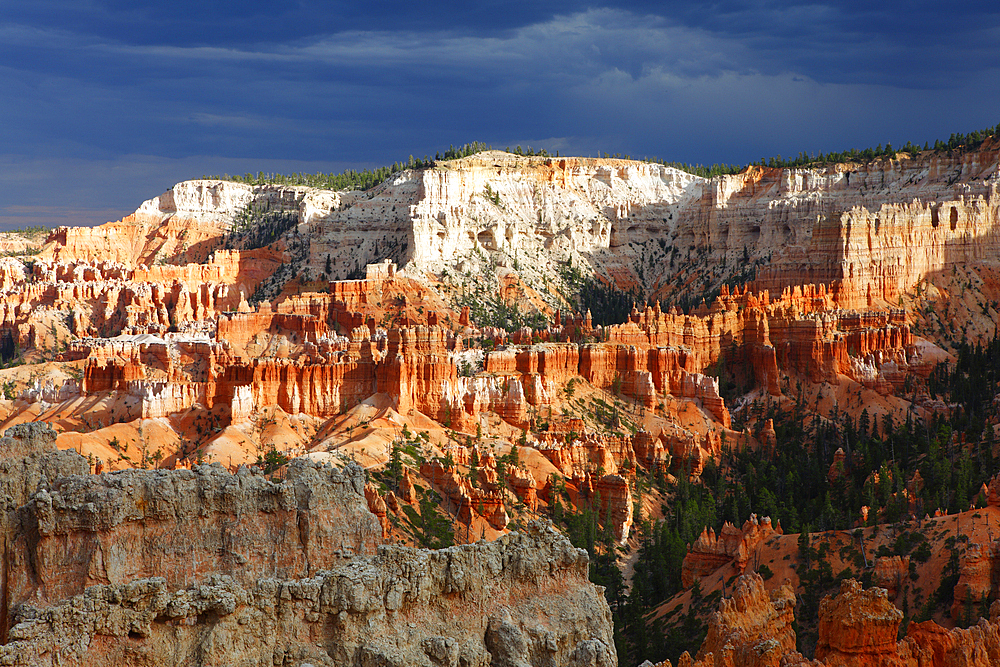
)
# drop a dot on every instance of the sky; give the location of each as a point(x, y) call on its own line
point(106, 103)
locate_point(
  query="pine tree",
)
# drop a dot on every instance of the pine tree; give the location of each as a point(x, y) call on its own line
point(474, 467)
point(395, 465)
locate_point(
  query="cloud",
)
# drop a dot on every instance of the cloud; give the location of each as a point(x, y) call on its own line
point(109, 102)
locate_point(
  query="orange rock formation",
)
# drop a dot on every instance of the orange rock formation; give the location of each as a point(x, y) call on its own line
point(710, 551)
point(857, 628)
point(752, 627)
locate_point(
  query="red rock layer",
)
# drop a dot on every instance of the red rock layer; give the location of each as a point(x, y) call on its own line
point(978, 578)
point(857, 623)
point(710, 551)
point(802, 332)
point(484, 500)
point(891, 573)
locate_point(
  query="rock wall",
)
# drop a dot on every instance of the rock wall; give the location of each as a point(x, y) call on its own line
point(879, 228)
point(803, 331)
point(848, 222)
point(29, 460)
point(184, 525)
point(186, 223)
point(501, 202)
point(523, 599)
point(205, 567)
point(978, 578)
point(753, 627)
point(553, 208)
point(857, 623)
point(107, 298)
point(886, 225)
point(710, 551)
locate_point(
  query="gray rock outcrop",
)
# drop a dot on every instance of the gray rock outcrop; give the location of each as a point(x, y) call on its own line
point(521, 600)
point(203, 567)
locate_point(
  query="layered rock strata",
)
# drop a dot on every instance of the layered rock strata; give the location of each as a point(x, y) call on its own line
point(857, 625)
point(203, 566)
point(184, 525)
point(635, 223)
point(29, 460)
point(879, 228)
point(978, 578)
point(753, 627)
point(523, 599)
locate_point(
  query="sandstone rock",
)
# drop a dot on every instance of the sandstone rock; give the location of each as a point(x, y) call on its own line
point(523, 484)
point(29, 465)
point(890, 573)
point(837, 468)
point(407, 492)
point(977, 578)
point(857, 629)
point(857, 625)
point(769, 438)
point(752, 628)
point(993, 495)
point(378, 506)
point(710, 551)
point(185, 525)
point(616, 504)
point(977, 646)
point(190, 215)
point(523, 599)
point(392, 503)
point(465, 499)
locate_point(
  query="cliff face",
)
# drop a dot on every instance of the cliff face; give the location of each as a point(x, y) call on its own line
point(857, 624)
point(55, 302)
point(543, 205)
point(655, 354)
point(880, 227)
point(802, 331)
point(886, 225)
point(184, 525)
point(710, 551)
point(185, 221)
point(28, 461)
point(844, 222)
point(523, 599)
point(202, 566)
point(752, 628)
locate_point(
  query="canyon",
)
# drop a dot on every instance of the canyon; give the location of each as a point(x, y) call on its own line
point(272, 410)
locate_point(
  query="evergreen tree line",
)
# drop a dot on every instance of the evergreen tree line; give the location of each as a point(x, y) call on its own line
point(365, 179)
point(607, 304)
point(970, 381)
point(970, 141)
point(351, 179)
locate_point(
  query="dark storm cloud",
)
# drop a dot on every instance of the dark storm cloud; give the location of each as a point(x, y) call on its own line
point(253, 85)
point(882, 42)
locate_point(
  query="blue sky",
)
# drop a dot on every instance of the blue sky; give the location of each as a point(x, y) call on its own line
point(108, 103)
